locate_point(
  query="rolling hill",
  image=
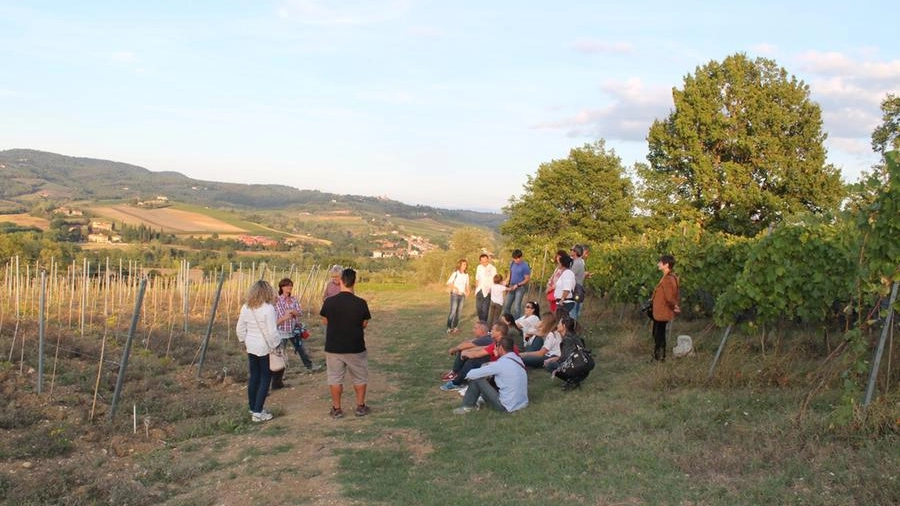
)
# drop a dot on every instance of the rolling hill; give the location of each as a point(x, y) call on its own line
point(31, 175)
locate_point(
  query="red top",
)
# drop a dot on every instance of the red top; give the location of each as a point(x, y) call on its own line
point(490, 350)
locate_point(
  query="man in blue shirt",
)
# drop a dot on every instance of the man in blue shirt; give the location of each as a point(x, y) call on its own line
point(519, 276)
point(510, 376)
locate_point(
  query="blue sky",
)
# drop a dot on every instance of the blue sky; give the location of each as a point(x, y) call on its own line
point(451, 104)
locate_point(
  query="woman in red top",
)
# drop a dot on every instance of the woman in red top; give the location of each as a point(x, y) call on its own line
point(666, 300)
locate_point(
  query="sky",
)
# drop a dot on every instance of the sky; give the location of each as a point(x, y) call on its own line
point(445, 103)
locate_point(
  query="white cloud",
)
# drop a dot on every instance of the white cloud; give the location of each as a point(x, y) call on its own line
point(632, 109)
point(348, 12)
point(596, 46)
point(764, 49)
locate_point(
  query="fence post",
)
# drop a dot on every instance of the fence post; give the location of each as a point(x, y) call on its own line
point(212, 318)
point(123, 365)
point(712, 366)
point(888, 322)
point(41, 326)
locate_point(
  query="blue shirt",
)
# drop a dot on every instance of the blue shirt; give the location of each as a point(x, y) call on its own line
point(511, 379)
point(518, 271)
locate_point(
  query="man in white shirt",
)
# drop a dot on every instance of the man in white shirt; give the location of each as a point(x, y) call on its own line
point(484, 279)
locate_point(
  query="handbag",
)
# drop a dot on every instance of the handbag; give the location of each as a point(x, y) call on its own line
point(277, 360)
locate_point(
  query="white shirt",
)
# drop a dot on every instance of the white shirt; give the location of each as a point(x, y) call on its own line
point(484, 278)
point(566, 281)
point(551, 343)
point(528, 324)
point(258, 328)
point(459, 281)
point(498, 291)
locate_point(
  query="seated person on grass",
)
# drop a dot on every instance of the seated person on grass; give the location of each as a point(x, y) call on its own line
point(528, 324)
point(482, 338)
point(566, 329)
point(477, 356)
point(508, 372)
point(550, 346)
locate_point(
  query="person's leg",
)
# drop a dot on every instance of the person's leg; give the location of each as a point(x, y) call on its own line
point(533, 361)
point(304, 355)
point(508, 300)
point(335, 377)
point(468, 365)
point(483, 388)
point(452, 311)
point(358, 367)
point(659, 340)
point(458, 362)
point(461, 299)
point(479, 306)
point(518, 296)
point(262, 389)
point(252, 380)
point(537, 342)
point(576, 311)
point(277, 379)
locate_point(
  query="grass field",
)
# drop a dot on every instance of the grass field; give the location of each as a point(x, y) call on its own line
point(636, 433)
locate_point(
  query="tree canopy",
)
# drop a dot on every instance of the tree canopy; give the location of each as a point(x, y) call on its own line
point(585, 197)
point(743, 148)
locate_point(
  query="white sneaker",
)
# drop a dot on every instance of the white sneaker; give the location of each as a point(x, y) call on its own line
point(480, 401)
point(262, 416)
point(462, 391)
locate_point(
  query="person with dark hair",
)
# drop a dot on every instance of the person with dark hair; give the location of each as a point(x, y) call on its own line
point(528, 325)
point(549, 348)
point(665, 304)
point(346, 316)
point(564, 288)
point(257, 329)
point(510, 376)
point(519, 276)
point(477, 356)
point(459, 290)
point(288, 309)
point(484, 279)
point(565, 327)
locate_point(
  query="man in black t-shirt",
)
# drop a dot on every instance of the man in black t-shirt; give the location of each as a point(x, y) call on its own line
point(346, 316)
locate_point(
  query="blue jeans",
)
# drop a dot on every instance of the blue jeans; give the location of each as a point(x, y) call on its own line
point(299, 347)
point(481, 387)
point(456, 307)
point(513, 302)
point(258, 382)
point(576, 311)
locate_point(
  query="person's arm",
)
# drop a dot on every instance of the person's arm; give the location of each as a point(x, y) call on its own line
point(483, 371)
point(475, 352)
point(670, 293)
point(537, 353)
point(465, 345)
point(241, 329)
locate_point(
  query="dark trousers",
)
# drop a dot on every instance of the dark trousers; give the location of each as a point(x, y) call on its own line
point(659, 340)
point(482, 305)
point(468, 365)
point(483, 388)
point(258, 382)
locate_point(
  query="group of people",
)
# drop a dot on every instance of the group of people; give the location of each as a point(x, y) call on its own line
point(495, 296)
point(268, 321)
point(489, 368)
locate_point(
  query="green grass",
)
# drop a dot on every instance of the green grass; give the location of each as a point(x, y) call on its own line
point(635, 433)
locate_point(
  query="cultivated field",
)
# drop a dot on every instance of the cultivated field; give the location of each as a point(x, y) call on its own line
point(167, 219)
point(25, 220)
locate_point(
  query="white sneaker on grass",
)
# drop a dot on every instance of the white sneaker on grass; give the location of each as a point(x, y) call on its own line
point(462, 391)
point(262, 416)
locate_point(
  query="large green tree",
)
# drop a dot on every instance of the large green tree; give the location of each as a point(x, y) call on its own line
point(743, 148)
point(585, 197)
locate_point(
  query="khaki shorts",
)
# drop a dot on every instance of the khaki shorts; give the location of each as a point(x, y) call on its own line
point(357, 364)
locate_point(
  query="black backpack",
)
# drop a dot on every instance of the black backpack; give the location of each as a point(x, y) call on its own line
point(578, 293)
point(576, 361)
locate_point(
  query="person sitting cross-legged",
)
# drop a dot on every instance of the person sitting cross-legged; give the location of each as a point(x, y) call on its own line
point(477, 356)
point(550, 346)
point(508, 371)
point(482, 338)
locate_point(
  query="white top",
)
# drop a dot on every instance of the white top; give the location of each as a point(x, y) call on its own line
point(260, 341)
point(459, 281)
point(498, 291)
point(529, 324)
point(551, 343)
point(566, 281)
point(484, 278)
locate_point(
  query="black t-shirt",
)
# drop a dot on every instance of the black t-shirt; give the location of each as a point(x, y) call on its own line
point(345, 313)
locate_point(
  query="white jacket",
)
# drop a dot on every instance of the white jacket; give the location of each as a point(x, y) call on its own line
point(260, 341)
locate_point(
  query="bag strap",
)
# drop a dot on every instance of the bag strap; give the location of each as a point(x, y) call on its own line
point(262, 330)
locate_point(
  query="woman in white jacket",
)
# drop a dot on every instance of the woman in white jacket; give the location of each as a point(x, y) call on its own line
point(257, 329)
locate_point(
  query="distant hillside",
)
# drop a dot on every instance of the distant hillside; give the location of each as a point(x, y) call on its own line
point(29, 175)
